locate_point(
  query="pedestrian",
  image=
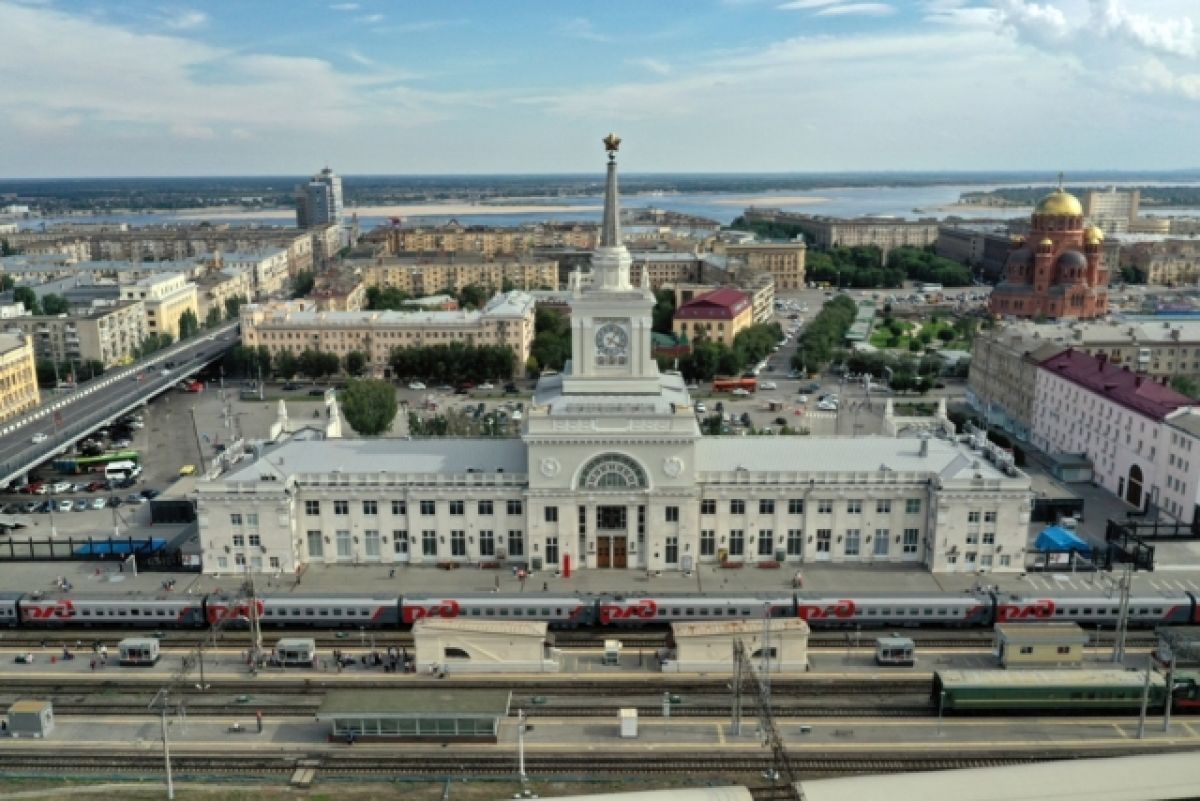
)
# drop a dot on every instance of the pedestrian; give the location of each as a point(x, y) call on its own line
point(545, 586)
point(392, 573)
point(93, 664)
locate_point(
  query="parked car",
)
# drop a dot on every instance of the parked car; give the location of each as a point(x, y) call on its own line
point(31, 488)
point(135, 499)
point(81, 505)
point(98, 503)
point(187, 470)
point(486, 385)
point(290, 386)
point(767, 385)
point(38, 437)
point(115, 501)
point(511, 388)
point(701, 408)
point(66, 506)
point(741, 393)
point(78, 487)
point(121, 444)
point(59, 487)
point(25, 658)
point(802, 399)
point(150, 494)
point(316, 392)
point(416, 385)
point(827, 406)
point(29, 507)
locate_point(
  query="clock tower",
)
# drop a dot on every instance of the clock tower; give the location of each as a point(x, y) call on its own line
point(610, 318)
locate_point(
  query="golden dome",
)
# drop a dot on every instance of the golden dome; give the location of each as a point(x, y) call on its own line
point(1059, 202)
point(1047, 243)
point(1093, 235)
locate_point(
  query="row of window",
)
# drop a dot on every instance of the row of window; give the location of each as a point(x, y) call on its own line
point(974, 516)
point(428, 508)
point(795, 506)
point(430, 540)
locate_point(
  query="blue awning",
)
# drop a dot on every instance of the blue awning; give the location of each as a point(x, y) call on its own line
point(1057, 539)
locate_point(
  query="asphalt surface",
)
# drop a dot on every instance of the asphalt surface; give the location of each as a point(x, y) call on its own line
point(66, 418)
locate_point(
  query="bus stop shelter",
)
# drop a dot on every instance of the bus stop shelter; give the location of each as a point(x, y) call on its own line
point(415, 715)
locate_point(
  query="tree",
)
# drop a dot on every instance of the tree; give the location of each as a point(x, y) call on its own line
point(233, 306)
point(532, 368)
point(369, 406)
point(946, 334)
point(26, 297)
point(664, 311)
point(6, 250)
point(303, 284)
point(189, 324)
point(213, 318)
point(472, 296)
point(285, 365)
point(54, 304)
point(1186, 385)
point(552, 339)
point(356, 363)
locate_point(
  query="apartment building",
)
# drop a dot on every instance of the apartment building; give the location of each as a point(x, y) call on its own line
point(824, 233)
point(484, 240)
point(783, 260)
point(1004, 359)
point(1112, 415)
point(1111, 211)
point(268, 269)
point(984, 247)
point(507, 320)
point(166, 297)
point(216, 286)
point(421, 275)
point(715, 316)
point(18, 376)
point(339, 290)
point(106, 333)
point(1163, 262)
point(759, 287)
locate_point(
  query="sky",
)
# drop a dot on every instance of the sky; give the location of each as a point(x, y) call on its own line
point(280, 87)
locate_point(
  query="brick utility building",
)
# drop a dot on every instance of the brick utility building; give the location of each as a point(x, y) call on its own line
point(1059, 270)
point(717, 316)
point(1087, 405)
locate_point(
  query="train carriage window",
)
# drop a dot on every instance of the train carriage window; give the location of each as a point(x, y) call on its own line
point(87, 612)
point(1158, 610)
point(914, 612)
point(474, 613)
point(690, 612)
point(336, 612)
point(1060, 611)
point(943, 612)
point(324, 613)
point(135, 612)
point(296, 612)
point(308, 612)
point(928, 613)
point(1087, 610)
point(546, 613)
point(489, 612)
point(503, 613)
point(518, 612)
point(675, 612)
point(1074, 611)
point(121, 612)
point(885, 612)
point(704, 613)
point(731, 611)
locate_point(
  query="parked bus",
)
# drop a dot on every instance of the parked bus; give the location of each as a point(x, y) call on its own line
point(730, 384)
point(94, 464)
point(119, 471)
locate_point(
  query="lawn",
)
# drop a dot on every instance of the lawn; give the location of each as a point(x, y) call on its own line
point(883, 336)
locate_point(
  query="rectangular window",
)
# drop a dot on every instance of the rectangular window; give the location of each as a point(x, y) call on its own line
point(552, 550)
point(487, 542)
point(825, 506)
point(671, 551)
point(883, 507)
point(316, 546)
point(973, 517)
point(514, 508)
point(672, 514)
point(912, 538)
point(708, 542)
point(912, 506)
point(252, 519)
point(255, 541)
point(854, 507)
point(400, 541)
point(795, 541)
point(766, 506)
point(985, 560)
point(737, 542)
point(399, 508)
point(551, 514)
point(341, 507)
point(708, 506)
point(428, 508)
point(882, 541)
point(235, 519)
point(766, 542)
point(458, 543)
point(370, 507)
point(274, 562)
point(853, 541)
point(239, 540)
point(972, 538)
point(457, 508)
point(371, 543)
point(312, 507)
point(824, 540)
point(344, 549)
point(796, 506)
point(737, 507)
point(1005, 560)
point(582, 517)
point(516, 543)
point(239, 559)
point(989, 538)
point(429, 543)
point(989, 517)
point(484, 508)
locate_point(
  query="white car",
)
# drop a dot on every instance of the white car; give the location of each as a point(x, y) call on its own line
point(61, 486)
point(516, 415)
point(415, 385)
point(66, 506)
point(701, 408)
point(802, 399)
point(741, 393)
point(827, 406)
point(39, 437)
point(98, 503)
point(767, 385)
point(486, 385)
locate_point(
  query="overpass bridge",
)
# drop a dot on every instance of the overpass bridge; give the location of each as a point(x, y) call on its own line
point(66, 419)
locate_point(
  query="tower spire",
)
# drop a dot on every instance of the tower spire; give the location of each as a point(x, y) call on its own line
point(610, 232)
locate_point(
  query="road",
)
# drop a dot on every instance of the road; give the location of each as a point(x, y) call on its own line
point(65, 419)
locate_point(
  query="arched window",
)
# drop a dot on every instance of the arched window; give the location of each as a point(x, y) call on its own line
point(455, 653)
point(612, 471)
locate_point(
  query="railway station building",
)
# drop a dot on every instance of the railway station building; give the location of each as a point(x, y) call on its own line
point(611, 471)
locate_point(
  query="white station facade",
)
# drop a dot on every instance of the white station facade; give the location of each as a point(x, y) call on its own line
point(611, 471)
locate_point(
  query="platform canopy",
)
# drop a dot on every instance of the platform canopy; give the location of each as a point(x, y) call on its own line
point(1057, 539)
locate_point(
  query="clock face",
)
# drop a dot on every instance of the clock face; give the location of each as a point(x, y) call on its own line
point(612, 344)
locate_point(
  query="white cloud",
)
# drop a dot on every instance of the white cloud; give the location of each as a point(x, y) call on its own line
point(1033, 21)
point(345, 6)
point(359, 58)
point(1168, 36)
point(652, 65)
point(804, 5)
point(185, 20)
point(371, 19)
point(582, 28)
point(185, 130)
point(859, 9)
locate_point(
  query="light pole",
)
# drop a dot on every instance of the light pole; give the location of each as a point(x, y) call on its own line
point(941, 708)
point(161, 700)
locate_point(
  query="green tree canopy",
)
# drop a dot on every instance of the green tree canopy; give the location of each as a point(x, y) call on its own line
point(356, 363)
point(303, 284)
point(189, 325)
point(26, 296)
point(54, 304)
point(285, 365)
point(369, 406)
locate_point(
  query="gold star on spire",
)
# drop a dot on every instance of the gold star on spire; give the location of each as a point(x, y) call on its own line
point(612, 143)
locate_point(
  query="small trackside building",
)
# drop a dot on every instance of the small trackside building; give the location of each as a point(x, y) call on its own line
point(415, 715)
point(1039, 645)
point(707, 647)
point(31, 718)
point(475, 646)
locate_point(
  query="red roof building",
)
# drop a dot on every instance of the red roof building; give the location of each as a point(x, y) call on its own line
point(717, 316)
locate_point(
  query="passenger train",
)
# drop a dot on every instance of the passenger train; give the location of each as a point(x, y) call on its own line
point(604, 611)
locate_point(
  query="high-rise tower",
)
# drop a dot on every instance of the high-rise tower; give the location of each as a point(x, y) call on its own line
point(319, 201)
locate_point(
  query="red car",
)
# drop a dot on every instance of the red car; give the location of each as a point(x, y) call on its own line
point(194, 386)
point(96, 486)
point(34, 488)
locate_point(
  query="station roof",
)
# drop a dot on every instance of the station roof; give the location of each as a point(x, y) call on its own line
point(27, 707)
point(416, 702)
point(1041, 632)
point(1137, 778)
point(517, 628)
point(1074, 677)
point(707, 628)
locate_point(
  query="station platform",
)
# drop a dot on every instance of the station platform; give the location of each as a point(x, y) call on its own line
point(106, 578)
point(825, 737)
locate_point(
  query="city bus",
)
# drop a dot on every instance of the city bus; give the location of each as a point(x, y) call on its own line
point(72, 465)
point(119, 471)
point(730, 384)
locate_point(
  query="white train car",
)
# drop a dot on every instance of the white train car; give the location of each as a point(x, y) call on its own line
point(559, 611)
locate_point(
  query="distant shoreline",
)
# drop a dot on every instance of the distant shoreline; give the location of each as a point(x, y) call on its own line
point(403, 210)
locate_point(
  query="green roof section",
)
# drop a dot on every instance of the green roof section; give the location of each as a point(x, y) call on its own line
point(414, 703)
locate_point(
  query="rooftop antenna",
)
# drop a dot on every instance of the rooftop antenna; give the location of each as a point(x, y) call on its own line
point(1060, 181)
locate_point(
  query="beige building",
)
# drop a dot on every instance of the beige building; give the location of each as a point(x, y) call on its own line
point(166, 298)
point(106, 334)
point(716, 316)
point(18, 376)
point(783, 260)
point(216, 286)
point(507, 320)
point(488, 240)
point(267, 268)
point(824, 233)
point(759, 287)
point(1111, 211)
point(1034, 645)
point(1164, 262)
point(1004, 360)
point(340, 290)
point(418, 275)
